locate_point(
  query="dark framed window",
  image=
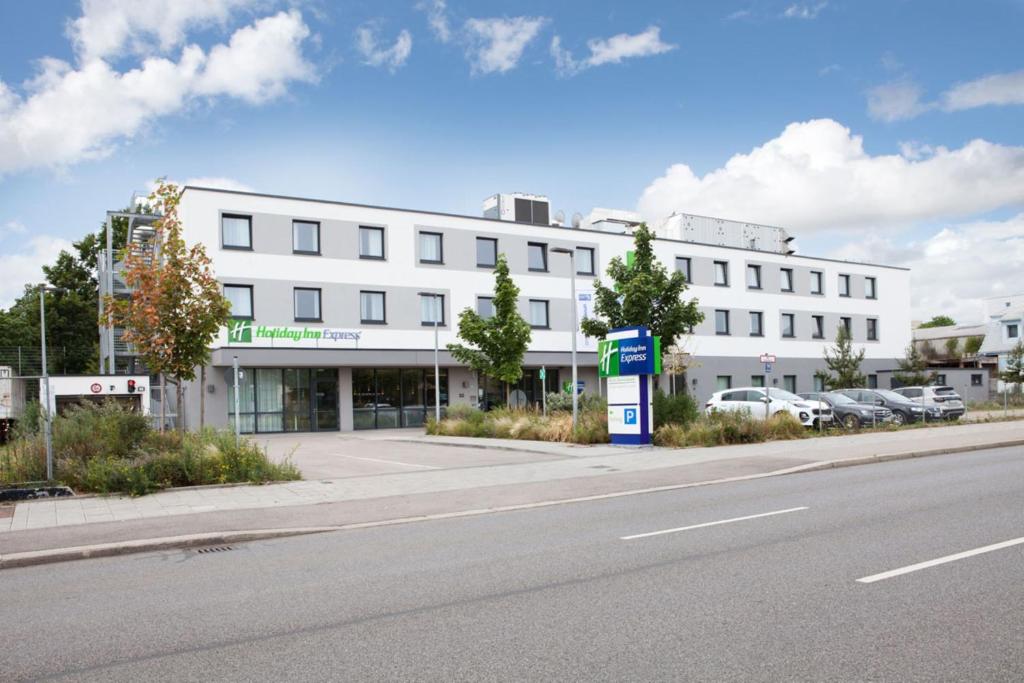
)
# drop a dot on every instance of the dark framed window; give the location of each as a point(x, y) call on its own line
point(431, 309)
point(486, 252)
point(872, 381)
point(538, 257)
point(240, 298)
point(723, 382)
point(788, 325)
point(976, 380)
point(372, 310)
point(753, 277)
point(847, 323)
point(756, 324)
point(721, 321)
point(844, 285)
point(872, 329)
point(307, 304)
point(757, 380)
point(485, 306)
point(431, 247)
point(306, 237)
point(817, 282)
point(1012, 331)
point(236, 231)
point(539, 314)
point(683, 265)
point(721, 273)
point(786, 279)
point(584, 261)
point(818, 326)
point(789, 383)
point(870, 288)
point(371, 242)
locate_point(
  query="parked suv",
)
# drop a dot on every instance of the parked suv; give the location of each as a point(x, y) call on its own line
point(848, 412)
point(752, 400)
point(904, 411)
point(944, 398)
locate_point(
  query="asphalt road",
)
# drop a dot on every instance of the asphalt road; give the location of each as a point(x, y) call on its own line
point(556, 593)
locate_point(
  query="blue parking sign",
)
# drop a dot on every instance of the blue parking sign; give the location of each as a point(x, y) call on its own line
point(629, 416)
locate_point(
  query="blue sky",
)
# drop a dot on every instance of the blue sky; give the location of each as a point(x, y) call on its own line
point(436, 105)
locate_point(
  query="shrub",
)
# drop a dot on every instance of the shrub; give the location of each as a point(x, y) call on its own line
point(562, 402)
point(727, 428)
point(678, 409)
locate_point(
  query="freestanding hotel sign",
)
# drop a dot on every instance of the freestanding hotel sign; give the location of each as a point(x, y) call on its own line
point(628, 357)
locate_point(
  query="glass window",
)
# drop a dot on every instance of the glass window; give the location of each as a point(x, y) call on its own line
point(538, 313)
point(789, 383)
point(683, 266)
point(485, 306)
point(753, 276)
point(788, 325)
point(371, 307)
point(819, 326)
point(819, 384)
point(722, 273)
point(817, 282)
point(847, 323)
point(305, 237)
point(307, 304)
point(757, 380)
point(236, 231)
point(844, 285)
point(246, 401)
point(976, 380)
point(371, 242)
point(538, 256)
point(486, 252)
point(870, 288)
point(787, 279)
point(721, 322)
point(872, 329)
point(269, 400)
point(584, 261)
point(431, 247)
point(756, 324)
point(431, 309)
point(240, 298)
point(1012, 331)
point(723, 382)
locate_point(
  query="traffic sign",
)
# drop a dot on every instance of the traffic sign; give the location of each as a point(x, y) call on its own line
point(543, 373)
point(767, 357)
point(767, 368)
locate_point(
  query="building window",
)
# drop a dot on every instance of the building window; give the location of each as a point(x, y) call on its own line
point(431, 247)
point(723, 382)
point(756, 324)
point(486, 252)
point(976, 380)
point(757, 380)
point(584, 261)
point(872, 329)
point(847, 324)
point(305, 237)
point(721, 322)
point(789, 383)
point(844, 285)
point(819, 383)
point(371, 242)
point(817, 282)
point(870, 288)
point(721, 273)
point(485, 306)
point(872, 381)
point(787, 279)
point(538, 257)
point(236, 231)
point(683, 266)
point(432, 309)
point(753, 277)
point(307, 304)
point(818, 323)
point(940, 379)
point(1012, 331)
point(539, 314)
point(371, 308)
point(240, 298)
point(788, 325)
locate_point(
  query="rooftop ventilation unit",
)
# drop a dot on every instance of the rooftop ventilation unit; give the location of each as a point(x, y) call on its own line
point(519, 207)
point(722, 232)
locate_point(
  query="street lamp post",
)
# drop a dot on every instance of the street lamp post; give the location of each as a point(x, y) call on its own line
point(575, 324)
point(435, 299)
point(46, 384)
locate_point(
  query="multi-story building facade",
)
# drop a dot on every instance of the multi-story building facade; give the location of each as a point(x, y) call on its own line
point(335, 305)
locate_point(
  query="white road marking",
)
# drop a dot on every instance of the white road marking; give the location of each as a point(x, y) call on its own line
point(392, 462)
point(940, 560)
point(707, 524)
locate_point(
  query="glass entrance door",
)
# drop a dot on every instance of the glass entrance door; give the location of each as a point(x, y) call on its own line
point(325, 408)
point(297, 403)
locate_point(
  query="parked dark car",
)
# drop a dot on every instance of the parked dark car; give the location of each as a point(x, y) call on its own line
point(849, 412)
point(904, 411)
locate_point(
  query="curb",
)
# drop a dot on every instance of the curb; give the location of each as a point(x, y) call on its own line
point(82, 552)
point(869, 459)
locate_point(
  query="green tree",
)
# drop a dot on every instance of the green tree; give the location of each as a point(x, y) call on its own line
point(913, 369)
point(938, 321)
point(1014, 372)
point(176, 307)
point(643, 294)
point(495, 346)
point(843, 363)
point(972, 345)
point(953, 348)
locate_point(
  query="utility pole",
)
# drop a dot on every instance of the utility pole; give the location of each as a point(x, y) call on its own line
point(238, 427)
point(575, 326)
point(46, 384)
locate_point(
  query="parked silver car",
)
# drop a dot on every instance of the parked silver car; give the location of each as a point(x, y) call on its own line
point(942, 397)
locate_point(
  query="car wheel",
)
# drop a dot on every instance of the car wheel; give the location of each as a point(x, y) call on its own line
point(898, 418)
point(851, 422)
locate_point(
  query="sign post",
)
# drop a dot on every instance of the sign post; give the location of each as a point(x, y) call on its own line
point(544, 389)
point(627, 358)
point(768, 359)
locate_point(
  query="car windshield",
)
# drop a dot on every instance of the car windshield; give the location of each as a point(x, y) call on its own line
point(784, 395)
point(839, 399)
point(891, 395)
point(944, 391)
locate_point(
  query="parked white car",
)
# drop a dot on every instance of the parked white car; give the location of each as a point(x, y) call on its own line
point(944, 398)
point(752, 400)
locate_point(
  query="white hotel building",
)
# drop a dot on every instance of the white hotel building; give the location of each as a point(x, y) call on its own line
point(335, 303)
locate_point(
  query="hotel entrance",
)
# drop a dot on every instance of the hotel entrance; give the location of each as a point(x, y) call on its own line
point(386, 398)
point(285, 400)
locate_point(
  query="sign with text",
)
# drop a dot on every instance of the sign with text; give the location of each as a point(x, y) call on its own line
point(246, 332)
point(628, 357)
point(637, 356)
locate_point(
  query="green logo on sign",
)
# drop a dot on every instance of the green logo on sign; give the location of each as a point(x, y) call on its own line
point(240, 332)
point(608, 357)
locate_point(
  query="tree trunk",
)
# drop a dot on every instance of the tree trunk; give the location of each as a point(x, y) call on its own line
point(179, 396)
point(202, 397)
point(163, 401)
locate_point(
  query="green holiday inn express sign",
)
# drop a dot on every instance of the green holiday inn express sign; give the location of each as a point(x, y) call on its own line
point(633, 356)
point(244, 332)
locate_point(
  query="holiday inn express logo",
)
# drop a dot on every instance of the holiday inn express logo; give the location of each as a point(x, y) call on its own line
point(608, 357)
point(244, 332)
point(240, 332)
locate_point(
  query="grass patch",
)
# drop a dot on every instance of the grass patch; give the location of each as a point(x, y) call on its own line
point(729, 428)
point(526, 424)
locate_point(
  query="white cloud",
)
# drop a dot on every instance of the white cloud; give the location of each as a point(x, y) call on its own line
point(826, 70)
point(739, 14)
point(610, 50)
point(996, 89)
point(11, 228)
point(952, 270)
point(69, 114)
point(896, 101)
point(817, 176)
point(437, 18)
point(375, 55)
point(495, 45)
point(26, 266)
point(804, 10)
